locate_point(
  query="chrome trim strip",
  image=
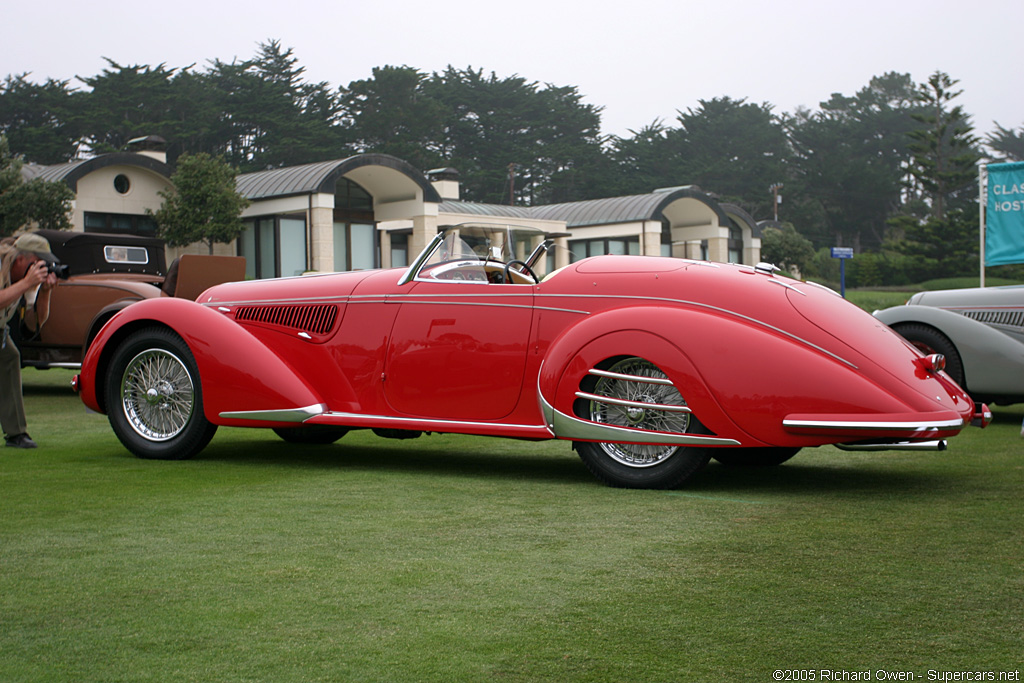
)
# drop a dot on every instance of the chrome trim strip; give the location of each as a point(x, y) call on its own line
point(283, 415)
point(568, 427)
point(415, 267)
point(874, 426)
point(63, 366)
point(787, 286)
point(939, 445)
point(399, 299)
point(631, 378)
point(632, 404)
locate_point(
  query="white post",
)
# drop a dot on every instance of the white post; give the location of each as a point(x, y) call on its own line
point(983, 203)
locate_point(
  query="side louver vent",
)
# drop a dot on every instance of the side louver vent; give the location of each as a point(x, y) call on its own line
point(311, 319)
point(1014, 319)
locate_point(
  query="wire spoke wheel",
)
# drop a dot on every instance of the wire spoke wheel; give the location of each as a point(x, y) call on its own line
point(634, 393)
point(630, 407)
point(157, 395)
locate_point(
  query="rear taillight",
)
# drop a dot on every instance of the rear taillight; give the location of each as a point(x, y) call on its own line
point(933, 362)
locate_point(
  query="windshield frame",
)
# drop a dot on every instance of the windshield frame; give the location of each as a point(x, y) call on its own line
point(477, 244)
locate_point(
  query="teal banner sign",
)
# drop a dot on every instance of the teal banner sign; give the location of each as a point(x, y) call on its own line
point(1004, 214)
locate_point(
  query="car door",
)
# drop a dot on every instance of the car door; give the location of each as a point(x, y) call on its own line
point(458, 350)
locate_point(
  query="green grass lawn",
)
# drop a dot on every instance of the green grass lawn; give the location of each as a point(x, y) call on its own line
point(468, 559)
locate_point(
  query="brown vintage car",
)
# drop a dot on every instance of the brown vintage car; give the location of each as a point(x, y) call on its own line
point(105, 274)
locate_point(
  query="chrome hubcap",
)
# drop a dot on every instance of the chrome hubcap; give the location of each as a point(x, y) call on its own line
point(638, 417)
point(157, 395)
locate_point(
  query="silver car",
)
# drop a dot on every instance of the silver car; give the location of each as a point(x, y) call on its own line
point(980, 331)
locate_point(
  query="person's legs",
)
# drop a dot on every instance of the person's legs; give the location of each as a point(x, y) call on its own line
point(12, 406)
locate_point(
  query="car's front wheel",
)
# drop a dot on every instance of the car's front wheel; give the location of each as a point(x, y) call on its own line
point(154, 397)
point(634, 393)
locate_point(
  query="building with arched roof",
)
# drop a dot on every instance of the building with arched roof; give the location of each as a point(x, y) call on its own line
point(375, 210)
point(112, 191)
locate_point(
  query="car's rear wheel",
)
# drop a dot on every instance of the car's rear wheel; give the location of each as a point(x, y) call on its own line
point(154, 397)
point(929, 340)
point(311, 435)
point(753, 457)
point(639, 396)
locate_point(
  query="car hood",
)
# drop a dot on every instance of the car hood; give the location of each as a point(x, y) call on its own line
point(304, 288)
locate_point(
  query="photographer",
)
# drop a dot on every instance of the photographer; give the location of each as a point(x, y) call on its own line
point(25, 276)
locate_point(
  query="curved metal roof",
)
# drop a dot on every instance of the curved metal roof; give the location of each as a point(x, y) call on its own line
point(474, 209)
point(641, 207)
point(74, 171)
point(321, 177)
point(739, 214)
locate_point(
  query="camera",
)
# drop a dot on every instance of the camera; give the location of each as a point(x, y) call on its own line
point(58, 269)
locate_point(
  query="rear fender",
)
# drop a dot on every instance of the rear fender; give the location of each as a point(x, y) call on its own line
point(239, 374)
point(628, 332)
point(740, 378)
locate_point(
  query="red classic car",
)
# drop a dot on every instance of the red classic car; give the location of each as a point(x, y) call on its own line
point(651, 366)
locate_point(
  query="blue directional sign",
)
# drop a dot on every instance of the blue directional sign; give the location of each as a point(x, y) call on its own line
point(842, 253)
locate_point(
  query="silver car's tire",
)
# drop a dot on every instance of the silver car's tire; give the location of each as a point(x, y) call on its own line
point(928, 340)
point(154, 398)
point(639, 465)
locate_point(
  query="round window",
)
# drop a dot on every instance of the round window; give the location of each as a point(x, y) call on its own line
point(122, 184)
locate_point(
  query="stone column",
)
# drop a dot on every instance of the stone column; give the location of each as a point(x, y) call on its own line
point(424, 228)
point(650, 238)
point(718, 249)
point(321, 231)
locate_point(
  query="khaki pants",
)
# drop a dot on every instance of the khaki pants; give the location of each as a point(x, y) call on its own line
point(12, 407)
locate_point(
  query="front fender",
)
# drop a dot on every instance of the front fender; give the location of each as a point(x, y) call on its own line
point(993, 362)
point(238, 373)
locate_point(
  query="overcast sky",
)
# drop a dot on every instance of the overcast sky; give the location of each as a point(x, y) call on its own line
point(641, 60)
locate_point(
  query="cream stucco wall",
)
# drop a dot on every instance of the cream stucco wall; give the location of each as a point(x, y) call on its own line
point(96, 193)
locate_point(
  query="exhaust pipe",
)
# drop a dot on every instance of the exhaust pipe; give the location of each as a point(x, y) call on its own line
point(939, 445)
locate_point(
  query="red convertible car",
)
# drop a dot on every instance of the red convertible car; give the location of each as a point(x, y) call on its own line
point(650, 366)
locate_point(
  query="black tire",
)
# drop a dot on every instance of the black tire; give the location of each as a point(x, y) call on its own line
point(928, 340)
point(311, 435)
point(753, 457)
point(631, 465)
point(154, 397)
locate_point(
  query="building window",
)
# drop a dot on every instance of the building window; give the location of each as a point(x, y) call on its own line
point(350, 196)
point(122, 184)
point(581, 249)
point(120, 223)
point(355, 233)
point(735, 243)
point(399, 249)
point(355, 246)
point(273, 247)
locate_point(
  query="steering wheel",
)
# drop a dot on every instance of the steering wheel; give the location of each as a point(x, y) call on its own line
point(523, 269)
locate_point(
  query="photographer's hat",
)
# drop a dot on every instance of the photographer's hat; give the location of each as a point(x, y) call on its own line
point(37, 245)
